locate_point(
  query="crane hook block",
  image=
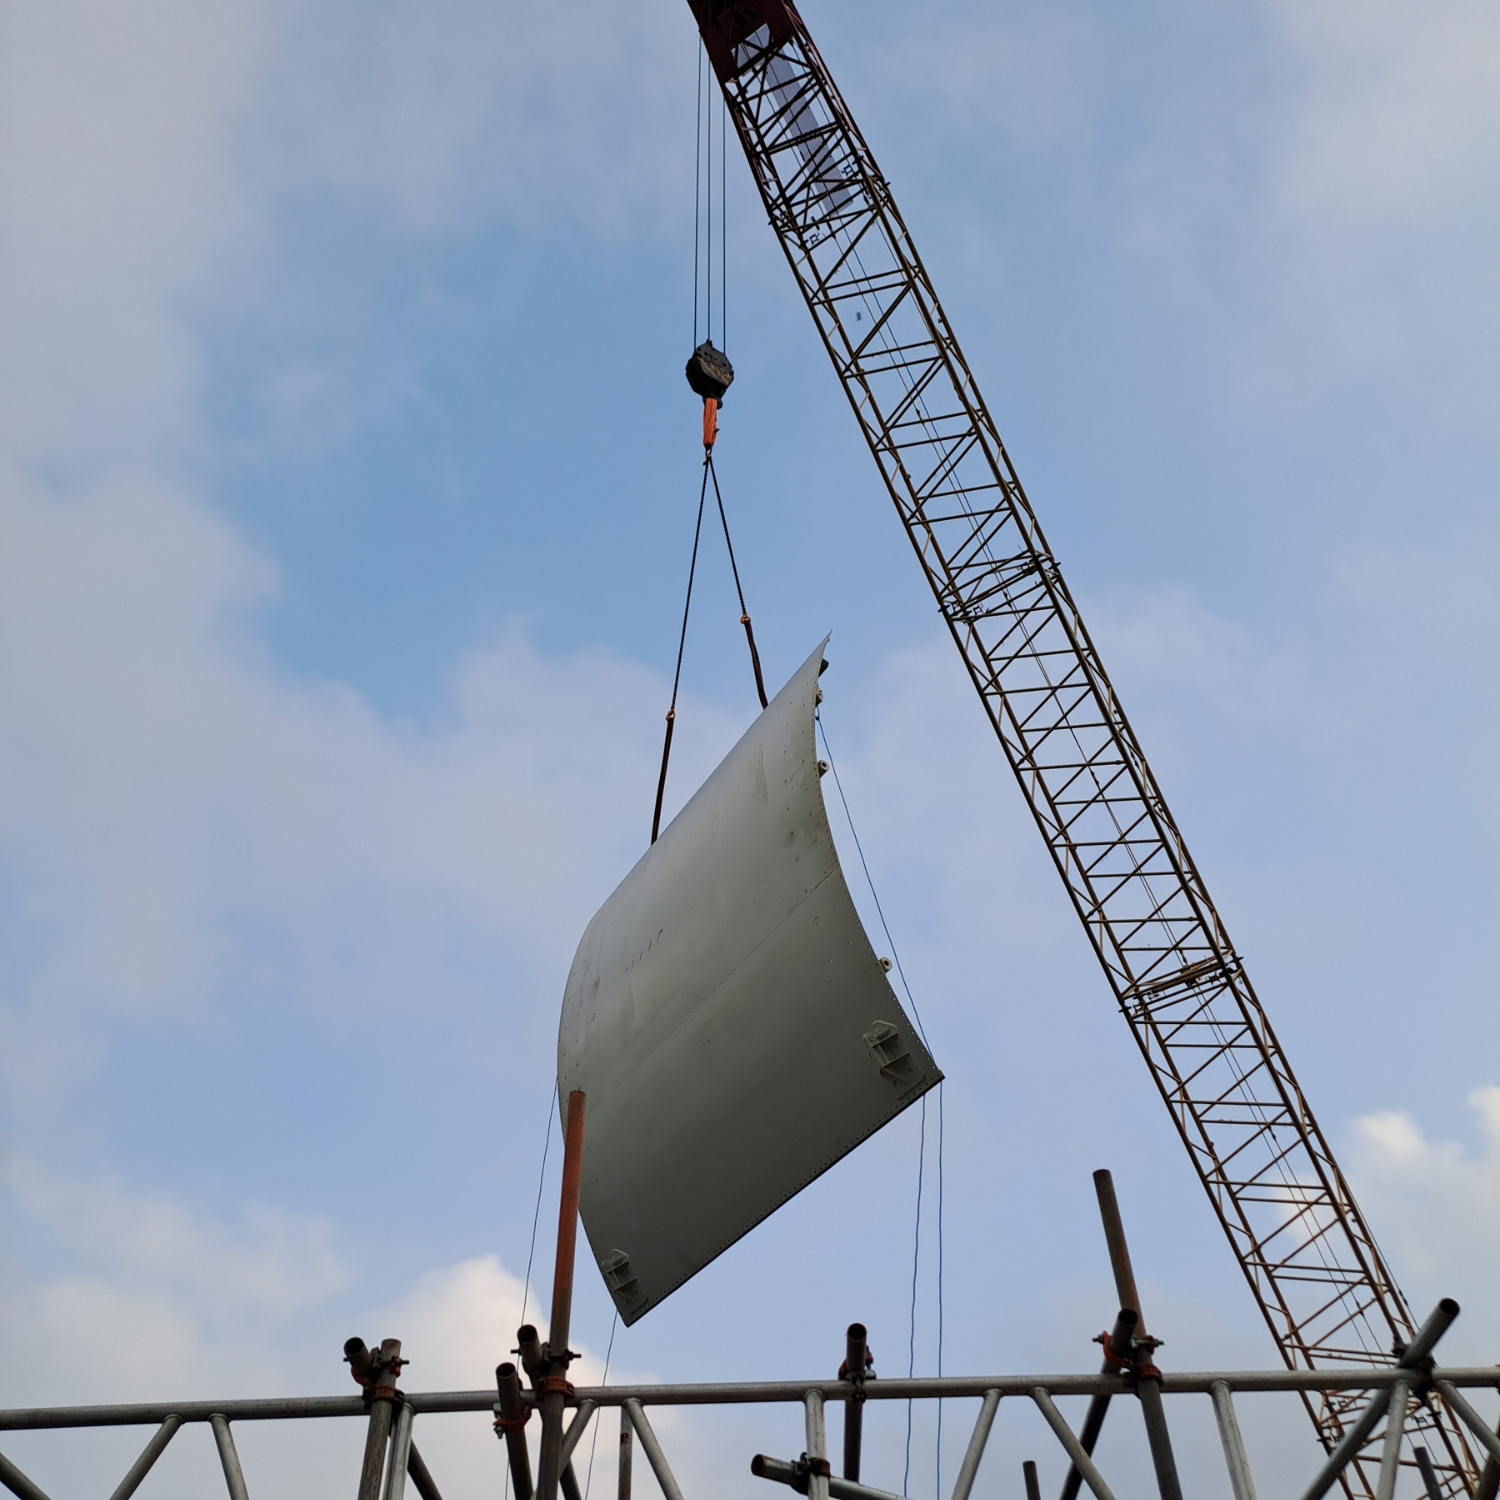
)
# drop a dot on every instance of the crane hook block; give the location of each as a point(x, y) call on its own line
point(709, 372)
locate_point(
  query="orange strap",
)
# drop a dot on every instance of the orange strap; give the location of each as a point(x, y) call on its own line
point(710, 421)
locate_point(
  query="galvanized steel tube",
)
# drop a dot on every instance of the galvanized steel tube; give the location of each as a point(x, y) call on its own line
point(1476, 1424)
point(654, 1456)
point(1235, 1457)
point(1439, 1321)
point(395, 1479)
point(513, 1412)
point(149, 1454)
point(856, 1357)
point(1390, 1453)
point(975, 1451)
point(234, 1476)
point(576, 1428)
point(420, 1476)
point(734, 1393)
point(1350, 1444)
point(817, 1445)
point(1081, 1461)
point(17, 1483)
point(795, 1476)
point(377, 1439)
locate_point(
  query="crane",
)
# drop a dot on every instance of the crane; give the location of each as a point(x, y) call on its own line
point(1306, 1251)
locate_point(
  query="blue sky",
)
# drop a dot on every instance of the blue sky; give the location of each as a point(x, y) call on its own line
point(347, 476)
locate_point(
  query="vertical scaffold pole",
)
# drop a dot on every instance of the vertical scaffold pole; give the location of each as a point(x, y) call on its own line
point(555, 1387)
point(817, 1447)
point(511, 1413)
point(626, 1455)
point(1148, 1388)
point(856, 1359)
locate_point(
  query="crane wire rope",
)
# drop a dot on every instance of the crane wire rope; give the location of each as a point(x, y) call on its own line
point(541, 1180)
point(922, 1138)
point(697, 185)
point(703, 211)
point(703, 254)
point(723, 225)
point(703, 229)
point(708, 259)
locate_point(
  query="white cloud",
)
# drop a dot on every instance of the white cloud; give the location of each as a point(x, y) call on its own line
point(456, 1324)
point(1436, 1205)
point(460, 1321)
point(166, 1300)
point(195, 1299)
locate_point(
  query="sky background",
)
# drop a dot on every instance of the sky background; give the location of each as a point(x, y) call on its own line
point(347, 477)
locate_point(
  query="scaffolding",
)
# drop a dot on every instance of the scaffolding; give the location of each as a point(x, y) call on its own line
point(1382, 1402)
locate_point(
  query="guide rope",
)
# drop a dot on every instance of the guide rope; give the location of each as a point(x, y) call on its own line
point(922, 1140)
point(536, 1215)
point(537, 1212)
point(588, 1483)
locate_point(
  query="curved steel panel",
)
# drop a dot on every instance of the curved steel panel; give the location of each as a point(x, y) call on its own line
point(728, 1019)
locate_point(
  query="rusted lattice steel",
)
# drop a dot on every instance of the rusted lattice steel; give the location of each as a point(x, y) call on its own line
point(1269, 1172)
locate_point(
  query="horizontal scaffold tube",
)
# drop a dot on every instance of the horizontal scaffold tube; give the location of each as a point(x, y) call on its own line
point(295, 1408)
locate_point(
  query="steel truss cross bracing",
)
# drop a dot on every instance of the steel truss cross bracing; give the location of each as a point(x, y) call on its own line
point(1309, 1257)
point(391, 1456)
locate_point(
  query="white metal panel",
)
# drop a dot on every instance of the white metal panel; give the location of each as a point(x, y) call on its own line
point(727, 1018)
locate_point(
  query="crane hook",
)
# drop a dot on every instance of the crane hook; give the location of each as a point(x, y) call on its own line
point(710, 374)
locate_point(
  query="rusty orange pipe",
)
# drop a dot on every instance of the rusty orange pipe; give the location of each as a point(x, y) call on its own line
point(555, 1390)
point(567, 1228)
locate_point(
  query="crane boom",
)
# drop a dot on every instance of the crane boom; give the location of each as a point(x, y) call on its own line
point(1295, 1228)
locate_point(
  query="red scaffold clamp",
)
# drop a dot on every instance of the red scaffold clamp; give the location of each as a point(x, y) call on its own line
point(1131, 1366)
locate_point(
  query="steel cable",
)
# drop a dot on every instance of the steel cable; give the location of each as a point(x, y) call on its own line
point(922, 1147)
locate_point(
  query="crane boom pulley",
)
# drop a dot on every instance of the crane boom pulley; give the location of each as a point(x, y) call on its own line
point(1270, 1174)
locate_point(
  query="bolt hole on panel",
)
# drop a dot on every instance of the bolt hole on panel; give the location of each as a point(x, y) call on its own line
point(726, 1016)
